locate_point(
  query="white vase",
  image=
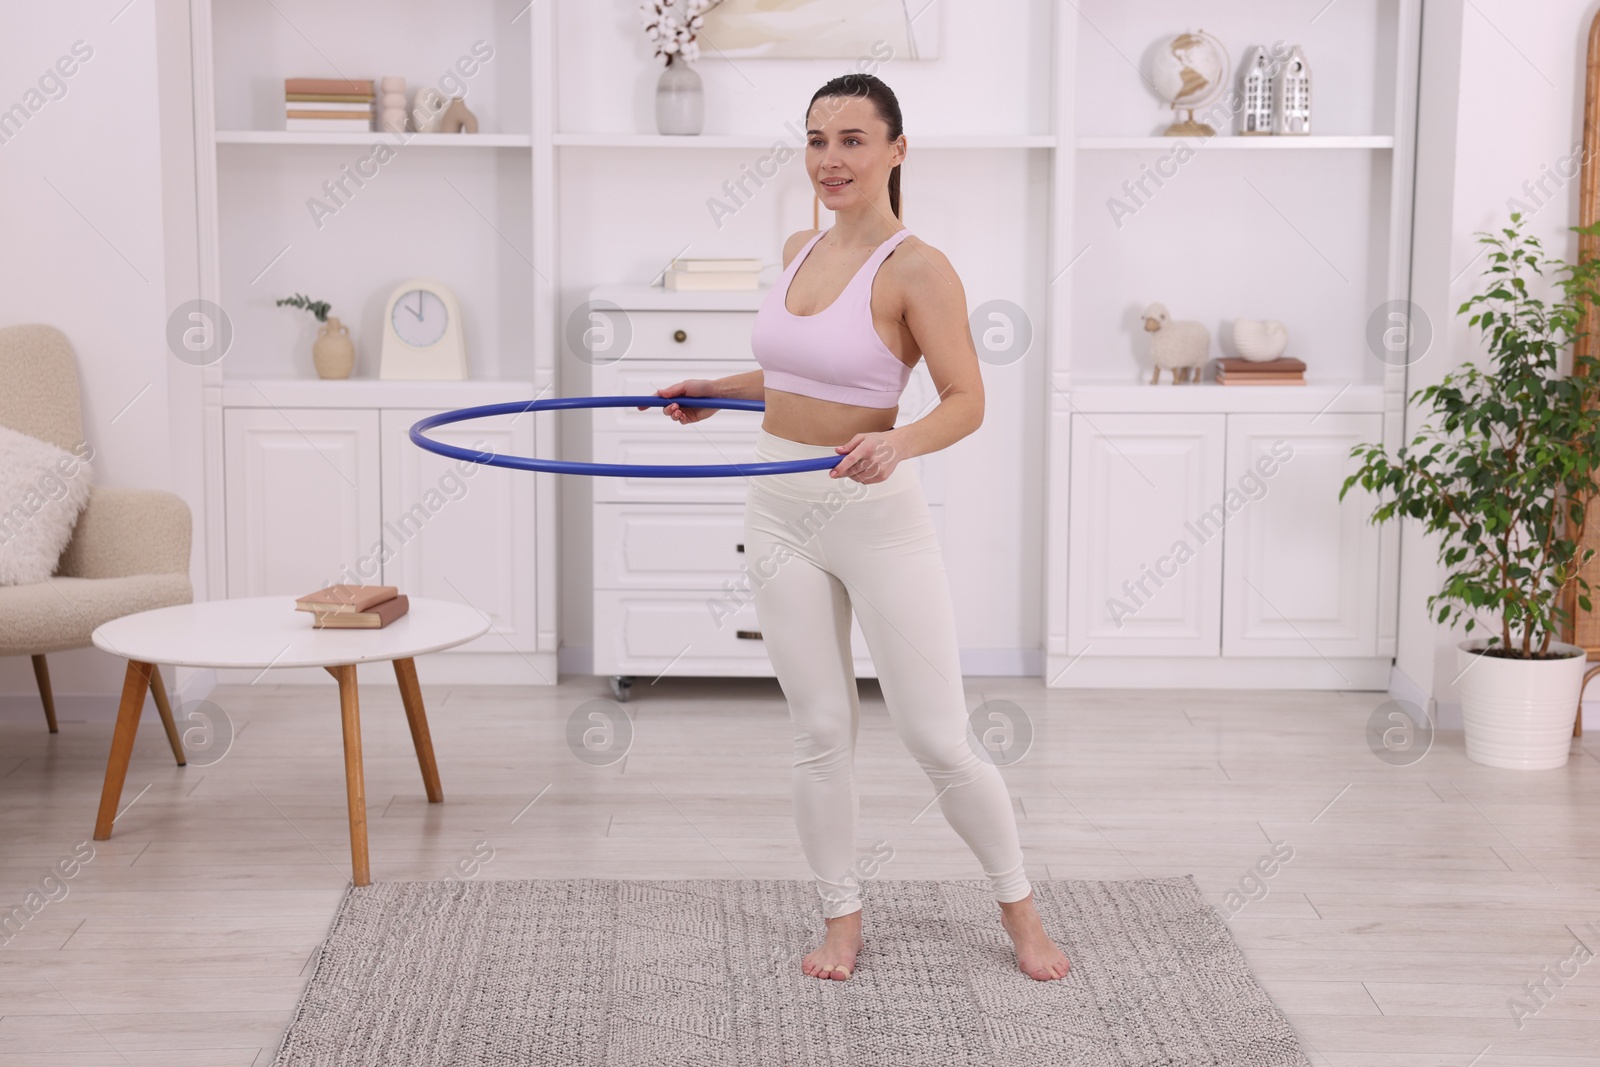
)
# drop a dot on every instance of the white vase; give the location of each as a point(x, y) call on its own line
point(680, 100)
point(1519, 713)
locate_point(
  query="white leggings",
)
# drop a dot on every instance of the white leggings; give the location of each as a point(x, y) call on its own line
point(815, 546)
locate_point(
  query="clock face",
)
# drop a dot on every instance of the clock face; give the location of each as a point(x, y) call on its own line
point(420, 318)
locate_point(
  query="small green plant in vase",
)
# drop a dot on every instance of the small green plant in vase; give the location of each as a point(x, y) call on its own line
point(1503, 473)
point(332, 353)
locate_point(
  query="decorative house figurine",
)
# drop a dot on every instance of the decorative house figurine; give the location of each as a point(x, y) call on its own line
point(1255, 87)
point(1180, 347)
point(1291, 95)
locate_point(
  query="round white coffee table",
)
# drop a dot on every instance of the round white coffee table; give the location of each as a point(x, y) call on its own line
point(267, 632)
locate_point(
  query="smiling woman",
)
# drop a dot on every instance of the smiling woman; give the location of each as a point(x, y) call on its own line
point(836, 338)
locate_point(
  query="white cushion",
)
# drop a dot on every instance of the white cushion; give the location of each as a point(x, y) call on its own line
point(43, 490)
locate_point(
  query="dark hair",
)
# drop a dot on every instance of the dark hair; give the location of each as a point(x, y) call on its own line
point(887, 106)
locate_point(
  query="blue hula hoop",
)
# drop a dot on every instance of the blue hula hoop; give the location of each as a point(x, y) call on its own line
point(632, 470)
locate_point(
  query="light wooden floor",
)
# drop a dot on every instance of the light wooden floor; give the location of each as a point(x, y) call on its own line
point(1418, 902)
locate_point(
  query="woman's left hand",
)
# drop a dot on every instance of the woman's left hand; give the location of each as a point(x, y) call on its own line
point(871, 457)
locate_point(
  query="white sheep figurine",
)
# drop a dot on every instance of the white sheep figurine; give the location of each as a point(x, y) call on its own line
point(1180, 347)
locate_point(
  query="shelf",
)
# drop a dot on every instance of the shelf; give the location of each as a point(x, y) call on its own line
point(370, 393)
point(659, 298)
point(1235, 142)
point(369, 137)
point(1106, 397)
point(762, 141)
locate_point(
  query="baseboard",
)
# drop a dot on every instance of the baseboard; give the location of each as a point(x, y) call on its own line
point(1445, 714)
point(25, 708)
point(184, 685)
point(975, 662)
point(1217, 672)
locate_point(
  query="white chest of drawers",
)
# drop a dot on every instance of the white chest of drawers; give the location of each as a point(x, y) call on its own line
point(670, 588)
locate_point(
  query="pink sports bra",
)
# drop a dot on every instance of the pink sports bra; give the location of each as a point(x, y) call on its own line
point(835, 354)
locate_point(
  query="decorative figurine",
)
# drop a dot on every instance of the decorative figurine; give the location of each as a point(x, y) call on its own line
point(1180, 347)
point(1255, 87)
point(1291, 95)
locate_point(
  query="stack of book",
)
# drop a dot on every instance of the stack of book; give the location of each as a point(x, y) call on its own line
point(1281, 371)
point(706, 275)
point(327, 105)
point(353, 607)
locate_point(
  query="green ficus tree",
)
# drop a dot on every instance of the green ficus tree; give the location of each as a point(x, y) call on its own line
point(1504, 468)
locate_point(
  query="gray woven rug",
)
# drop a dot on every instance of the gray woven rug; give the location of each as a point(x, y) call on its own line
point(706, 973)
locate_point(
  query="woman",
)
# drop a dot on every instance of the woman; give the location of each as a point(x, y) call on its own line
point(836, 339)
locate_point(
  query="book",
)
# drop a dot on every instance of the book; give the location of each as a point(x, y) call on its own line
point(327, 125)
point(340, 86)
point(709, 281)
point(355, 118)
point(330, 109)
point(1282, 363)
point(345, 598)
point(696, 266)
point(376, 619)
point(329, 98)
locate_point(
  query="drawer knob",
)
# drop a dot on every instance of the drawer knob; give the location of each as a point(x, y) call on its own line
point(679, 336)
point(739, 547)
point(747, 635)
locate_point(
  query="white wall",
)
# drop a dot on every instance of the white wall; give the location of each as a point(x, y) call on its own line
point(1502, 98)
point(82, 220)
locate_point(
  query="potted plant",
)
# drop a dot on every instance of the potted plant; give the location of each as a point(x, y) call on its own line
point(332, 353)
point(672, 26)
point(1503, 472)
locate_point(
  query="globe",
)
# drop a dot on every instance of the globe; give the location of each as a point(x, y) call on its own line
point(1188, 72)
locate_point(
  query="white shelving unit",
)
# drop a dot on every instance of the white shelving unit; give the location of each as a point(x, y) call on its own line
point(1291, 588)
point(1310, 230)
point(305, 477)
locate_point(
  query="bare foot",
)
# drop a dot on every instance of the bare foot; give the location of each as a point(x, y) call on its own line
point(836, 957)
point(1037, 955)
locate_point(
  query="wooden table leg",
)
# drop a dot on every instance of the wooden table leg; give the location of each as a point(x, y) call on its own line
point(405, 673)
point(134, 685)
point(354, 780)
point(158, 689)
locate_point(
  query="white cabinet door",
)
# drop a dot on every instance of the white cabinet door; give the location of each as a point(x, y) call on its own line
point(301, 498)
point(463, 531)
point(1144, 550)
point(1301, 566)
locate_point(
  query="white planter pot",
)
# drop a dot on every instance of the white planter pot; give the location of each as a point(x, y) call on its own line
point(1519, 713)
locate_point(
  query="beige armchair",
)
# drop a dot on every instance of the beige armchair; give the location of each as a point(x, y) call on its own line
point(129, 551)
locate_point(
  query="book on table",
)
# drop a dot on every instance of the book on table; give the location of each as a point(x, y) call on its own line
point(345, 599)
point(376, 619)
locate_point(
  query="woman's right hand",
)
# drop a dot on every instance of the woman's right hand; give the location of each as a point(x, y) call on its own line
point(688, 387)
